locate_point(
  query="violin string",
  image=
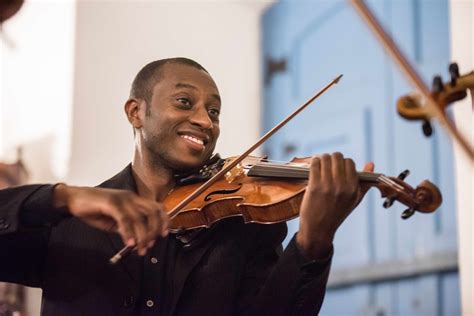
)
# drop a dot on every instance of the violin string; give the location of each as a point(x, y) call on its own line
point(298, 172)
point(280, 162)
point(290, 167)
point(285, 163)
point(391, 183)
point(281, 171)
point(288, 171)
point(281, 166)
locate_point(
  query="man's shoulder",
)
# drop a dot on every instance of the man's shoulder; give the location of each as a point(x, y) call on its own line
point(122, 180)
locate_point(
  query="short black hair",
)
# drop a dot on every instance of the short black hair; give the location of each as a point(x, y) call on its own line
point(148, 76)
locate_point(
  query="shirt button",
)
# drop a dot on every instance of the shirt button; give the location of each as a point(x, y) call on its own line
point(150, 303)
point(154, 260)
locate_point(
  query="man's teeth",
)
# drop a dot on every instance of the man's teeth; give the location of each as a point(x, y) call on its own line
point(193, 139)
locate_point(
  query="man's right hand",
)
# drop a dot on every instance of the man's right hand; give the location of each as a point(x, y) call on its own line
point(138, 221)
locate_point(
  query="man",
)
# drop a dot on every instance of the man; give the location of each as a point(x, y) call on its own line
point(60, 237)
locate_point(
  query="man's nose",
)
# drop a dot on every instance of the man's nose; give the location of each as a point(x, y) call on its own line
point(200, 117)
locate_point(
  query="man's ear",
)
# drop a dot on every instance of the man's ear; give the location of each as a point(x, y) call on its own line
point(135, 110)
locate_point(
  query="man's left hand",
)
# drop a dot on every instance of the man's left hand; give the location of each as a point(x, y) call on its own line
point(333, 192)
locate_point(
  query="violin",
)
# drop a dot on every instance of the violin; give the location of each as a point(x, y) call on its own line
point(265, 192)
point(412, 107)
point(432, 107)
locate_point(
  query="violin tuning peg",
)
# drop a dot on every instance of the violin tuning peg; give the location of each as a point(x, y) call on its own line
point(408, 213)
point(437, 84)
point(388, 202)
point(404, 174)
point(427, 128)
point(454, 72)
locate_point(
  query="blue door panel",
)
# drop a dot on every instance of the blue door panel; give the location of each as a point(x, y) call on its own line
point(348, 301)
point(384, 299)
point(450, 294)
point(318, 40)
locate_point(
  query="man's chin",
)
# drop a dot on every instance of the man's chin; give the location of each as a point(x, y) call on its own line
point(187, 165)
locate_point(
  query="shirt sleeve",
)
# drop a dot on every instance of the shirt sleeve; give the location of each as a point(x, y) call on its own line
point(27, 207)
point(26, 213)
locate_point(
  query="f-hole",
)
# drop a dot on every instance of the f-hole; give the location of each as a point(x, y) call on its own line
point(230, 191)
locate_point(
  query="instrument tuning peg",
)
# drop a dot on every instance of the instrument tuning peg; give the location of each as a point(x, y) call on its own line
point(454, 72)
point(427, 128)
point(388, 202)
point(437, 84)
point(404, 174)
point(408, 213)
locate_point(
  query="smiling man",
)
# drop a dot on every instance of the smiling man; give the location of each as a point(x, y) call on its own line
point(60, 237)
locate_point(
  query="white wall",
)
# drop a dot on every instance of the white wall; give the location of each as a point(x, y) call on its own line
point(462, 51)
point(64, 86)
point(36, 93)
point(36, 87)
point(115, 39)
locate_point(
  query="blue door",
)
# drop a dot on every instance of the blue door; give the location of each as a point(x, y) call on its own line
point(382, 265)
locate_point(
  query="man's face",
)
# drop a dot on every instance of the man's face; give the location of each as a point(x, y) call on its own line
point(181, 127)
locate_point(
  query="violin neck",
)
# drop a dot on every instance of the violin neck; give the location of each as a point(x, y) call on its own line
point(296, 172)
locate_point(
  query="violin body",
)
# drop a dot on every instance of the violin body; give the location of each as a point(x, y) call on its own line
point(262, 200)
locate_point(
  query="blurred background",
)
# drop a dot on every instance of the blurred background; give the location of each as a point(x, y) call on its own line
point(66, 69)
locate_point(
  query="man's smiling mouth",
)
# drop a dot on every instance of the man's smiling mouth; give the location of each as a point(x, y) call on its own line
point(193, 139)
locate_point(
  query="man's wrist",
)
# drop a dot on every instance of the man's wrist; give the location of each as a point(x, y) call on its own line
point(314, 246)
point(61, 196)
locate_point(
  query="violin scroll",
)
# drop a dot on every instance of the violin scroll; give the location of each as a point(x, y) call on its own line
point(425, 198)
point(413, 106)
point(428, 197)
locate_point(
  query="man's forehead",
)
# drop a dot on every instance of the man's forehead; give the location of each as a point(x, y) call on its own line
point(179, 76)
point(182, 85)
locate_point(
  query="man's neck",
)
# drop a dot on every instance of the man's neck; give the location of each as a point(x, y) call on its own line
point(153, 181)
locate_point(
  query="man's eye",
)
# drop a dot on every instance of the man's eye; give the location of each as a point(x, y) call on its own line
point(214, 112)
point(184, 101)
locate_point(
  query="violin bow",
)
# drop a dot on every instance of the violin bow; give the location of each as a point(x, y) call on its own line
point(410, 73)
point(174, 212)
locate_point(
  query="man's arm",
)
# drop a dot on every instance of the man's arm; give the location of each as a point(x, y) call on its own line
point(295, 283)
point(137, 220)
point(277, 282)
point(23, 242)
point(27, 214)
point(332, 193)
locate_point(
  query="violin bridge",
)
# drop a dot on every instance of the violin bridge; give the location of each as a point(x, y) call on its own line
point(235, 173)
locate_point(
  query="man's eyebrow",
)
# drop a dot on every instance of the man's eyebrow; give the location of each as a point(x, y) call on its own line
point(185, 85)
point(190, 86)
point(217, 97)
